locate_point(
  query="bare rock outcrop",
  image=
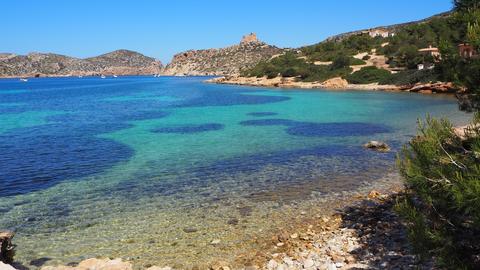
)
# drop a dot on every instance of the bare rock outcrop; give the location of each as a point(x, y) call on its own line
point(225, 61)
point(102, 264)
point(437, 87)
point(335, 83)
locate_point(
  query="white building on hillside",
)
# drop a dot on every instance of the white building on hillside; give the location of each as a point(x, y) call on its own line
point(380, 32)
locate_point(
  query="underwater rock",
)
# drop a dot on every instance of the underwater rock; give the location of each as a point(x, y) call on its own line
point(95, 264)
point(190, 230)
point(377, 146)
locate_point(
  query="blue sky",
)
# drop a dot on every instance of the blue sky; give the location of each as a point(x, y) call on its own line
point(161, 28)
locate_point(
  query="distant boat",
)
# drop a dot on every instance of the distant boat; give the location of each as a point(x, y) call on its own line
point(103, 77)
point(80, 76)
point(115, 76)
point(24, 80)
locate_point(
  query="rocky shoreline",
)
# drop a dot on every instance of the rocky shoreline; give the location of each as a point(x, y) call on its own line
point(368, 234)
point(365, 234)
point(335, 84)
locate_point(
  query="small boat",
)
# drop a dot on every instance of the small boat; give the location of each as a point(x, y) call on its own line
point(24, 80)
point(115, 76)
point(80, 76)
point(103, 77)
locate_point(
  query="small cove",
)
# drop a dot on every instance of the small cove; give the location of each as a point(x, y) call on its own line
point(154, 169)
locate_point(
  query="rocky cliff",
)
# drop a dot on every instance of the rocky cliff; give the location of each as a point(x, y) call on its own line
point(225, 61)
point(121, 62)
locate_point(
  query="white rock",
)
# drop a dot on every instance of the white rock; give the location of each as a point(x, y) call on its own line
point(330, 266)
point(215, 242)
point(288, 261)
point(4, 266)
point(160, 268)
point(308, 263)
point(272, 264)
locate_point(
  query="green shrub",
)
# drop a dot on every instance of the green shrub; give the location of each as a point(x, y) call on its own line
point(366, 57)
point(340, 61)
point(271, 74)
point(410, 77)
point(442, 205)
point(356, 62)
point(323, 73)
point(368, 75)
point(466, 4)
point(291, 65)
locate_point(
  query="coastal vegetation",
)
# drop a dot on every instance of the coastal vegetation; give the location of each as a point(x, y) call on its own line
point(289, 65)
point(442, 205)
point(413, 53)
point(336, 60)
point(442, 167)
point(329, 50)
point(368, 75)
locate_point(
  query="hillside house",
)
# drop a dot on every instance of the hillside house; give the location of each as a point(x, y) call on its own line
point(380, 32)
point(432, 51)
point(466, 50)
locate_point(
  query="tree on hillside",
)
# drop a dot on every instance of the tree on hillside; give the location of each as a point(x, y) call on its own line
point(341, 61)
point(462, 5)
point(473, 31)
point(463, 71)
point(442, 167)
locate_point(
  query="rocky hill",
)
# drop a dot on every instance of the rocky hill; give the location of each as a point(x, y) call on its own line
point(126, 62)
point(225, 61)
point(121, 62)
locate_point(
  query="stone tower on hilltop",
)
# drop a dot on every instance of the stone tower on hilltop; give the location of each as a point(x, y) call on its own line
point(251, 38)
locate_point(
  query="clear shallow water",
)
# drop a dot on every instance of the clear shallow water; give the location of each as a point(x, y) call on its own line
point(121, 167)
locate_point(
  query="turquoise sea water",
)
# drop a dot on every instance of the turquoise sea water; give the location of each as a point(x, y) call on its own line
point(124, 167)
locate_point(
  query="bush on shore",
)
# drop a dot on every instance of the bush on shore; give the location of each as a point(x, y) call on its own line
point(368, 75)
point(410, 77)
point(442, 206)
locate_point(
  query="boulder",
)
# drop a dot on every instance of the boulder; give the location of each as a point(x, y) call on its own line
point(374, 194)
point(437, 87)
point(95, 264)
point(377, 146)
point(335, 83)
point(6, 247)
point(4, 266)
